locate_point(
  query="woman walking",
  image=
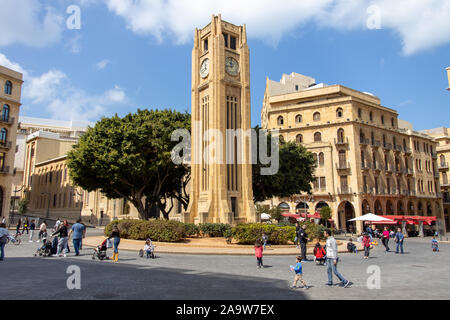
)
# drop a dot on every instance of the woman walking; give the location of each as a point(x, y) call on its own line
point(385, 239)
point(25, 226)
point(116, 235)
point(18, 225)
point(63, 237)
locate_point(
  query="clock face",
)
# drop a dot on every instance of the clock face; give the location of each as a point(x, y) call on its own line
point(232, 66)
point(204, 68)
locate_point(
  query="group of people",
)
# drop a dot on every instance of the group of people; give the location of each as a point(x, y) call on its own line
point(367, 239)
point(327, 255)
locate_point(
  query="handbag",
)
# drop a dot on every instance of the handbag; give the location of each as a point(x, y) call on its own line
point(109, 243)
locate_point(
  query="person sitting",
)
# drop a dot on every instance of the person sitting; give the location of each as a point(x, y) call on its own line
point(319, 254)
point(148, 248)
point(351, 247)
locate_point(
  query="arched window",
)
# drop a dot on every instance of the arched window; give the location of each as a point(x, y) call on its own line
point(382, 119)
point(316, 116)
point(359, 113)
point(392, 122)
point(299, 138)
point(5, 113)
point(298, 118)
point(339, 113)
point(340, 135)
point(315, 158)
point(317, 137)
point(8, 87)
point(442, 160)
point(3, 135)
point(321, 159)
point(280, 121)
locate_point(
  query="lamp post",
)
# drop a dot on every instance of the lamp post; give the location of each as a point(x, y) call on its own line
point(14, 202)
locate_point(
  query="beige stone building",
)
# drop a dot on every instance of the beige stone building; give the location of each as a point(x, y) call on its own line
point(448, 75)
point(441, 135)
point(48, 187)
point(367, 159)
point(221, 190)
point(10, 94)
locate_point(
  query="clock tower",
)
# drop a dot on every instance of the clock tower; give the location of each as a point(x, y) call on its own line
point(221, 172)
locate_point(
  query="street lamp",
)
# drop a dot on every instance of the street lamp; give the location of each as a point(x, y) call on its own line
point(14, 204)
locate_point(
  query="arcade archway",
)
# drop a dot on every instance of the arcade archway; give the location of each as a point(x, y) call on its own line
point(378, 207)
point(346, 211)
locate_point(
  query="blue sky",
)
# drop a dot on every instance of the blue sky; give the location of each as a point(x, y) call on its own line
point(131, 54)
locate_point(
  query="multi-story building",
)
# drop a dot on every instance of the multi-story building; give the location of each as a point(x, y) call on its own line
point(448, 75)
point(10, 93)
point(441, 135)
point(367, 159)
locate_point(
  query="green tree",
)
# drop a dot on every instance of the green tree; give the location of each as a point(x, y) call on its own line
point(275, 213)
point(325, 214)
point(22, 206)
point(130, 158)
point(295, 174)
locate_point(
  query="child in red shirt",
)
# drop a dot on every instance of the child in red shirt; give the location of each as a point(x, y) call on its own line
point(366, 243)
point(319, 254)
point(259, 254)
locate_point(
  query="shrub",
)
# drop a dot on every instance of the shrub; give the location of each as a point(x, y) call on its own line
point(191, 230)
point(157, 230)
point(249, 233)
point(214, 229)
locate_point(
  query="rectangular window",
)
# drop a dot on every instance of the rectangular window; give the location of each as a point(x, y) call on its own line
point(323, 184)
point(233, 42)
point(205, 45)
point(225, 37)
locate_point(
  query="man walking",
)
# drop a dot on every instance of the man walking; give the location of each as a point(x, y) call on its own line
point(303, 239)
point(332, 260)
point(78, 232)
point(399, 237)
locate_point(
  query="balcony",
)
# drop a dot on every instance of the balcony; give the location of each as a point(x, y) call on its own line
point(341, 142)
point(5, 144)
point(376, 144)
point(399, 171)
point(398, 148)
point(378, 167)
point(343, 166)
point(364, 141)
point(366, 190)
point(409, 172)
point(387, 146)
point(436, 175)
point(388, 169)
point(407, 150)
point(365, 166)
point(4, 170)
point(434, 155)
point(344, 191)
point(7, 120)
point(443, 166)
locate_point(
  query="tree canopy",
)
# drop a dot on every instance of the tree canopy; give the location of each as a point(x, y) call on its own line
point(295, 173)
point(130, 158)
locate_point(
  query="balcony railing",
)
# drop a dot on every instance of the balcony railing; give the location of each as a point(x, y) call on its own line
point(343, 165)
point(443, 166)
point(364, 141)
point(344, 190)
point(365, 166)
point(7, 120)
point(5, 144)
point(398, 148)
point(376, 144)
point(5, 169)
point(407, 150)
point(341, 142)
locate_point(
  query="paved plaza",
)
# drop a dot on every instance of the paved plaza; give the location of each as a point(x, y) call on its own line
point(417, 274)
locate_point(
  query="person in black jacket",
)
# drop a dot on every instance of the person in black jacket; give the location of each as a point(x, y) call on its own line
point(63, 237)
point(303, 239)
point(116, 235)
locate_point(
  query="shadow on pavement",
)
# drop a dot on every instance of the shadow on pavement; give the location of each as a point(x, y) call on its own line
point(43, 278)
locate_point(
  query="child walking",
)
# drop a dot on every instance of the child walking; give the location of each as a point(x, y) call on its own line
point(434, 244)
point(298, 269)
point(259, 254)
point(366, 243)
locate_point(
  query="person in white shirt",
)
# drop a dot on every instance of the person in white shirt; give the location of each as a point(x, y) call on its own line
point(332, 260)
point(4, 235)
point(148, 248)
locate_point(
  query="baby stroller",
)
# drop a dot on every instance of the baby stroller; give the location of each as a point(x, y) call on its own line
point(48, 247)
point(100, 251)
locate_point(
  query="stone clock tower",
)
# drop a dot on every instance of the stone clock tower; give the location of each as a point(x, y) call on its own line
point(221, 181)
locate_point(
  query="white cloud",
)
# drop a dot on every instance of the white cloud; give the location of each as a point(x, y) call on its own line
point(28, 22)
point(54, 93)
point(102, 64)
point(421, 24)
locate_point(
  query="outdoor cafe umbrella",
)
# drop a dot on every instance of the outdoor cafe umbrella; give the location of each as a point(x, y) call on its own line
point(371, 217)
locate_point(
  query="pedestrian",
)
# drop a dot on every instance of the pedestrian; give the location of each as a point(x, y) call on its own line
point(4, 235)
point(18, 225)
point(434, 244)
point(63, 237)
point(116, 235)
point(25, 226)
point(303, 238)
point(370, 232)
point(4, 220)
point(57, 224)
point(351, 247)
point(32, 228)
point(264, 239)
point(78, 232)
point(297, 231)
point(385, 239)
point(298, 269)
point(319, 254)
point(259, 254)
point(399, 237)
point(84, 235)
point(42, 230)
point(332, 260)
point(366, 244)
